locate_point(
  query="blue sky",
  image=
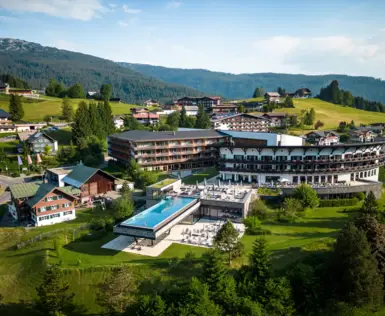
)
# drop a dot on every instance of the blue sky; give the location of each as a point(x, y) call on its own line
point(237, 36)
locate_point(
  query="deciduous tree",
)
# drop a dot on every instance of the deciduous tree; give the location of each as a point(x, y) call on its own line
point(307, 196)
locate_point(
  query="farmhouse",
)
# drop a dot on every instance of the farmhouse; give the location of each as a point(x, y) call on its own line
point(6, 124)
point(272, 97)
point(302, 93)
point(147, 118)
point(42, 203)
point(362, 135)
point(38, 141)
point(151, 102)
point(324, 138)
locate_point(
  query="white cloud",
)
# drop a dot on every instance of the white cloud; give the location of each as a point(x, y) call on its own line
point(122, 23)
point(63, 44)
point(112, 5)
point(128, 22)
point(7, 19)
point(129, 10)
point(174, 4)
point(80, 9)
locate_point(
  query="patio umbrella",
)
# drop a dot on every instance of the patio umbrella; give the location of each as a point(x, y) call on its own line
point(284, 180)
point(205, 182)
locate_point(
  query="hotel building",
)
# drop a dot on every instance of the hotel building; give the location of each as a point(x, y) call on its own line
point(267, 157)
point(166, 151)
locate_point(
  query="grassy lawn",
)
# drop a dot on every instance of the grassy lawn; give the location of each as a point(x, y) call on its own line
point(86, 263)
point(63, 136)
point(52, 106)
point(331, 114)
point(201, 175)
point(9, 147)
point(163, 183)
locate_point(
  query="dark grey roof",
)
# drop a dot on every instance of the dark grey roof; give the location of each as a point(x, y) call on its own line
point(323, 133)
point(4, 114)
point(138, 136)
point(33, 138)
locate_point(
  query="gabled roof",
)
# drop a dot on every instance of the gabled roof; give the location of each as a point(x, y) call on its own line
point(323, 133)
point(37, 135)
point(273, 94)
point(46, 188)
point(23, 190)
point(80, 174)
point(4, 114)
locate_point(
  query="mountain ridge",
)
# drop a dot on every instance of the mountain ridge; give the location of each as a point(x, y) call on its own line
point(240, 86)
point(36, 64)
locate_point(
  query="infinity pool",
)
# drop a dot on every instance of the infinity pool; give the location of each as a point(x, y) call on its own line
point(157, 213)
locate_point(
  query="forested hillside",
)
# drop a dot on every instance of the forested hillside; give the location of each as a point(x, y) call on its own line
point(36, 64)
point(243, 85)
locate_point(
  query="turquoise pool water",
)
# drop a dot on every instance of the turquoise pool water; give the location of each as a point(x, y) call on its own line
point(157, 213)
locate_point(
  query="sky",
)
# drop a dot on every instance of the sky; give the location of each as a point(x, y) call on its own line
point(235, 36)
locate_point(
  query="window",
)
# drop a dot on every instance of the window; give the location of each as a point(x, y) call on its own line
point(41, 209)
point(66, 205)
point(54, 207)
point(67, 213)
point(54, 215)
point(60, 197)
point(43, 218)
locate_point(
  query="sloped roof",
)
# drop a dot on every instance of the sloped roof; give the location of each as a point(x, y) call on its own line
point(4, 114)
point(273, 94)
point(23, 190)
point(80, 174)
point(46, 188)
point(37, 135)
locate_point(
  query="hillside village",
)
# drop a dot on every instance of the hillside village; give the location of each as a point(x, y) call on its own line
point(241, 196)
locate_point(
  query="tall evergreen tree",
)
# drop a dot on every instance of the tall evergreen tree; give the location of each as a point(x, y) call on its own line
point(370, 206)
point(183, 117)
point(16, 108)
point(213, 271)
point(152, 306)
point(82, 123)
point(96, 122)
point(105, 92)
point(258, 93)
point(203, 119)
point(173, 120)
point(198, 302)
point(67, 110)
point(355, 278)
point(54, 297)
point(335, 94)
point(259, 261)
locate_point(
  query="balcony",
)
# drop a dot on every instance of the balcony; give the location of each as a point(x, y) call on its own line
point(168, 161)
point(302, 171)
point(317, 161)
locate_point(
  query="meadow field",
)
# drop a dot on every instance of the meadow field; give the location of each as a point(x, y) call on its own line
point(37, 109)
point(85, 263)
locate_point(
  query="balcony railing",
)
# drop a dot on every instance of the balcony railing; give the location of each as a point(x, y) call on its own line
point(301, 171)
point(317, 161)
point(168, 161)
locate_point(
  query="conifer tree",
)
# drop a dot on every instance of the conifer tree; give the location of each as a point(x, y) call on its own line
point(152, 306)
point(16, 108)
point(353, 270)
point(213, 270)
point(67, 110)
point(54, 297)
point(105, 92)
point(259, 261)
point(258, 93)
point(183, 117)
point(82, 123)
point(370, 206)
point(203, 119)
point(108, 118)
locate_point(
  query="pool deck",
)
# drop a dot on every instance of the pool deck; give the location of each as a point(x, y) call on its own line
point(126, 243)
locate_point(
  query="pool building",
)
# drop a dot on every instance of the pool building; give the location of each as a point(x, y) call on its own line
point(186, 207)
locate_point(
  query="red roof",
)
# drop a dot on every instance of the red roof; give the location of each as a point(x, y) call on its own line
point(146, 116)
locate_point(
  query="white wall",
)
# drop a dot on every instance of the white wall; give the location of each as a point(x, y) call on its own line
point(54, 220)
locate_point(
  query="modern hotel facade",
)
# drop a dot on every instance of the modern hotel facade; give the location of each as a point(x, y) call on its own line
point(166, 151)
point(264, 158)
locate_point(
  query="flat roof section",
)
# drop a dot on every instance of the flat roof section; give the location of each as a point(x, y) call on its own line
point(156, 214)
point(139, 136)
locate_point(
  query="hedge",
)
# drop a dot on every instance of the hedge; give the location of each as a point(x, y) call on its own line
point(338, 202)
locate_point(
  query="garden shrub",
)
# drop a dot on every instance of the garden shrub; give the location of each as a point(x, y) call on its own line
point(338, 202)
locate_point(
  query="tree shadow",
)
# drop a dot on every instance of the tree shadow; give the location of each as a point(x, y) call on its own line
point(21, 308)
point(30, 252)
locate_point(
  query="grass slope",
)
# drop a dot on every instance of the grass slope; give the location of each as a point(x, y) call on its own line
point(86, 263)
point(331, 114)
point(52, 106)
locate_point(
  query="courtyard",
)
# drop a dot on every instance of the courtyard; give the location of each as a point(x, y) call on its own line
point(200, 234)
